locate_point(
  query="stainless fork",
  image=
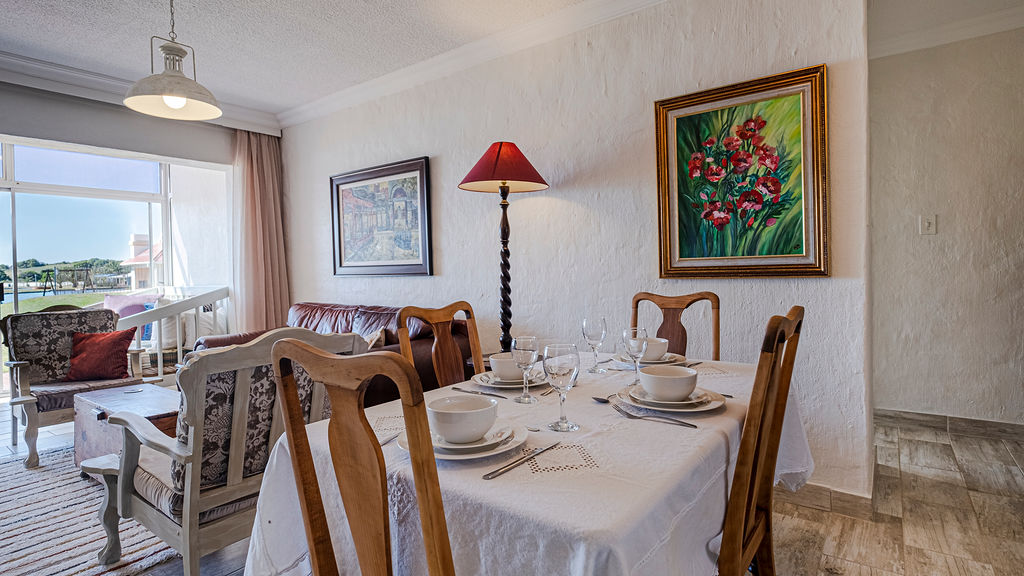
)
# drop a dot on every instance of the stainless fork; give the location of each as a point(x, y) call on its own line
point(652, 418)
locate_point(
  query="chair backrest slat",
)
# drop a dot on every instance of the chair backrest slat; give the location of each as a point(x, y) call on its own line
point(358, 460)
point(672, 308)
point(747, 531)
point(446, 356)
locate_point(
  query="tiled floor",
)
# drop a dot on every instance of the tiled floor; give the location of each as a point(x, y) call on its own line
point(945, 504)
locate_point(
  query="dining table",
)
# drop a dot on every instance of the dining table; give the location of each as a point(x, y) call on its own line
point(619, 496)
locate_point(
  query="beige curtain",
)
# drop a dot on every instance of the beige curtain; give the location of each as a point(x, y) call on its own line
point(261, 274)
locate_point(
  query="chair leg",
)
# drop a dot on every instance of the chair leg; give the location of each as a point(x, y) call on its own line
point(764, 558)
point(31, 434)
point(190, 560)
point(14, 425)
point(109, 517)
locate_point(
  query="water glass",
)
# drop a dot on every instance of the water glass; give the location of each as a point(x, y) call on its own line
point(524, 352)
point(561, 366)
point(594, 330)
point(634, 343)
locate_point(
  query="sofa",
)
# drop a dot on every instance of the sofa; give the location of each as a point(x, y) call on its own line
point(380, 322)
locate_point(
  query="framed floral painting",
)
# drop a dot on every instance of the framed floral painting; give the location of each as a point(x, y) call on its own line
point(742, 179)
point(381, 218)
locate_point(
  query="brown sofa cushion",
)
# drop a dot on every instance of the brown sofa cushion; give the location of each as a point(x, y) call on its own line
point(322, 318)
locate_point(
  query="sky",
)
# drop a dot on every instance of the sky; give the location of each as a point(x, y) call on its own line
point(57, 228)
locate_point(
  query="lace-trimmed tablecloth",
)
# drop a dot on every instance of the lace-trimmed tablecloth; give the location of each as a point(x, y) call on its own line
point(618, 497)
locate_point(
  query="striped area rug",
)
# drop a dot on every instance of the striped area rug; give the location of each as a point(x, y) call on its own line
point(49, 523)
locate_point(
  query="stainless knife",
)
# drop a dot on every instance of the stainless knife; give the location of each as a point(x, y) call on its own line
point(457, 389)
point(518, 462)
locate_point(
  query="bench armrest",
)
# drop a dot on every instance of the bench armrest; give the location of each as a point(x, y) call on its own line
point(151, 436)
point(22, 400)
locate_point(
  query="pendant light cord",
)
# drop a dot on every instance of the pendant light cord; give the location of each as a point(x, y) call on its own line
point(173, 36)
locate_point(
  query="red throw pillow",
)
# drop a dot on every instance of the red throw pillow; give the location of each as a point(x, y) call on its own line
point(100, 355)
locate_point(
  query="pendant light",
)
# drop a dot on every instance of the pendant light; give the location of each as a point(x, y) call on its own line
point(172, 94)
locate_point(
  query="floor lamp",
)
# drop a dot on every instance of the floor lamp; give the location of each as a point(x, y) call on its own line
point(504, 169)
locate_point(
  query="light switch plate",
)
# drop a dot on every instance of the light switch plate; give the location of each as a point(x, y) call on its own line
point(927, 224)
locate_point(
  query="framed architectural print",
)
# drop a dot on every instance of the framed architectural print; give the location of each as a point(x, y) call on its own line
point(381, 219)
point(742, 179)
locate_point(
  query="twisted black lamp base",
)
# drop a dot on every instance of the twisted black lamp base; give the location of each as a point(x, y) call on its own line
point(505, 317)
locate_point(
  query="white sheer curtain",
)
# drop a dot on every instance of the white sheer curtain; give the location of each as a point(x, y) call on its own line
point(261, 294)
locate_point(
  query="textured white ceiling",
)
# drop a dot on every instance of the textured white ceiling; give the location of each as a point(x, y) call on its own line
point(266, 55)
point(889, 19)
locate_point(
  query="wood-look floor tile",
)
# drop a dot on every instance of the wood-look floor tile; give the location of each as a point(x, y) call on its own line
point(832, 566)
point(920, 562)
point(1000, 516)
point(994, 478)
point(1006, 556)
point(986, 428)
point(887, 460)
point(927, 454)
point(802, 512)
point(886, 435)
point(947, 529)
point(924, 434)
point(801, 540)
point(981, 449)
point(900, 418)
point(888, 496)
point(928, 490)
point(947, 476)
point(878, 544)
point(851, 505)
point(1016, 449)
point(810, 495)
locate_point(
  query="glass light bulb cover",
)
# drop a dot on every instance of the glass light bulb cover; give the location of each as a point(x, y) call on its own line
point(176, 102)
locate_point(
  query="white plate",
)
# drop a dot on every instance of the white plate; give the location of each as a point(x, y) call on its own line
point(699, 396)
point(520, 433)
point(666, 359)
point(491, 381)
point(716, 401)
point(498, 432)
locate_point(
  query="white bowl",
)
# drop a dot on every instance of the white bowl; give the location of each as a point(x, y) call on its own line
point(504, 367)
point(668, 383)
point(462, 419)
point(656, 348)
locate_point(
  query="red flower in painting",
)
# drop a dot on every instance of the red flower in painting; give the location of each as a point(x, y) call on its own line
point(764, 149)
point(743, 132)
point(758, 122)
point(731, 143)
point(770, 222)
point(714, 173)
point(719, 219)
point(696, 164)
point(741, 161)
point(769, 186)
point(769, 161)
point(709, 208)
point(710, 142)
point(751, 200)
point(750, 222)
point(757, 140)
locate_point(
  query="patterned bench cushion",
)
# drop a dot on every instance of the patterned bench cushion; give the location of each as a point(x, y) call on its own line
point(43, 339)
point(153, 483)
point(61, 395)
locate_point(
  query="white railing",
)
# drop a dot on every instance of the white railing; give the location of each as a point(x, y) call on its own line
point(182, 300)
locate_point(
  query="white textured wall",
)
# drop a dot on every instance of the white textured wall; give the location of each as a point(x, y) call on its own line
point(581, 108)
point(946, 139)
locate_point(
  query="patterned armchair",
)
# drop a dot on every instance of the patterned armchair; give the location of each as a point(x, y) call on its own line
point(198, 492)
point(39, 346)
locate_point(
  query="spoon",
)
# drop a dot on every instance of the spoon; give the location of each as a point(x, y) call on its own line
point(602, 399)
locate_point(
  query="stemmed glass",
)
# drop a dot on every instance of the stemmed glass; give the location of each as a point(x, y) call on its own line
point(524, 352)
point(594, 331)
point(634, 343)
point(561, 366)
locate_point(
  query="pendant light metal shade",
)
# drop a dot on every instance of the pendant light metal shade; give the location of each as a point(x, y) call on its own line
point(171, 94)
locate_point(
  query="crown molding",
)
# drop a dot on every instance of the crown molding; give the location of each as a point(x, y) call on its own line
point(992, 23)
point(43, 75)
point(562, 23)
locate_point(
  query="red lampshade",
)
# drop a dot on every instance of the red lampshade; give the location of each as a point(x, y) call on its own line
point(503, 163)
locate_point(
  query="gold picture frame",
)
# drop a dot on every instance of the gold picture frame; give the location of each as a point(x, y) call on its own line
point(743, 179)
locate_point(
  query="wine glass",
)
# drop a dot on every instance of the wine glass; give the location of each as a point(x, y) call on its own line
point(634, 343)
point(524, 352)
point(594, 331)
point(561, 366)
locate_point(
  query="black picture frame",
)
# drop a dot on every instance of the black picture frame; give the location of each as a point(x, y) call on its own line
point(379, 211)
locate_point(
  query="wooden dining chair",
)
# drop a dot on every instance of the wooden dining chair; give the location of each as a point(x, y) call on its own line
point(747, 533)
point(447, 357)
point(357, 457)
point(672, 308)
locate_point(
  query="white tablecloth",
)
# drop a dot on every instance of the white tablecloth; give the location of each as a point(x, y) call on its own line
point(619, 496)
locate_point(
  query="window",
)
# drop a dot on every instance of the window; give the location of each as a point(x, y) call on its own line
point(64, 168)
